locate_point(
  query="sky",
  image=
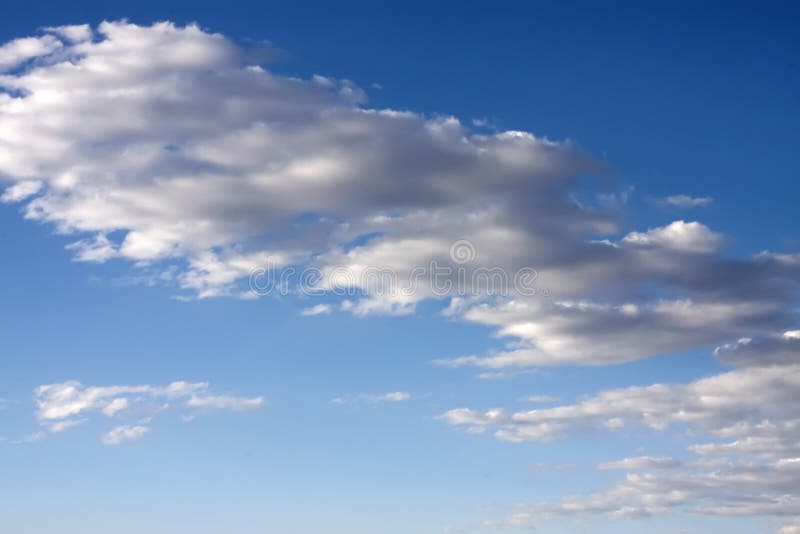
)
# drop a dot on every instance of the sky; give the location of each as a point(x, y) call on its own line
point(399, 267)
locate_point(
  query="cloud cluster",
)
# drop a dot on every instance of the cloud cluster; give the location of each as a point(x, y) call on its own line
point(745, 461)
point(64, 405)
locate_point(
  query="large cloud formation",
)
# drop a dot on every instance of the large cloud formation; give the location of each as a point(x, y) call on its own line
point(167, 147)
point(161, 145)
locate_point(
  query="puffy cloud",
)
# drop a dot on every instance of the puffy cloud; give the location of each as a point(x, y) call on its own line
point(18, 51)
point(67, 404)
point(166, 137)
point(167, 147)
point(679, 235)
point(21, 191)
point(74, 33)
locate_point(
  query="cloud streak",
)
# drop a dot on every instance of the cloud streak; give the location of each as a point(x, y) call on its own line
point(67, 404)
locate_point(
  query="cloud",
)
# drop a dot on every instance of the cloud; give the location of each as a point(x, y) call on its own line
point(18, 51)
point(207, 160)
point(767, 350)
point(20, 191)
point(122, 433)
point(679, 235)
point(595, 333)
point(225, 402)
point(543, 399)
point(714, 403)
point(168, 148)
point(642, 463)
point(685, 201)
point(318, 309)
point(63, 405)
point(393, 396)
point(165, 146)
point(73, 34)
point(744, 423)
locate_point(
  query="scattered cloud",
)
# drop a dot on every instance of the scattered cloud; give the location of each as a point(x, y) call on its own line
point(64, 405)
point(744, 424)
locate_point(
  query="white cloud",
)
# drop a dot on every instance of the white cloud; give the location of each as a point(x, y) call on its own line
point(21, 190)
point(123, 433)
point(592, 333)
point(679, 235)
point(225, 402)
point(162, 146)
point(393, 396)
point(74, 34)
point(685, 201)
point(642, 463)
point(543, 399)
point(744, 422)
point(59, 405)
point(319, 309)
point(16, 52)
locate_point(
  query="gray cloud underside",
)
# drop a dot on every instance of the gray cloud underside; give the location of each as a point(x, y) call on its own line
point(162, 146)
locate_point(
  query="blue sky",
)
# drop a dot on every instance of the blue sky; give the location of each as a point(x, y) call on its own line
point(651, 183)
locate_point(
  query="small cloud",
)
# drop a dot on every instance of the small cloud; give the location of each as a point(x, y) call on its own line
point(364, 398)
point(642, 463)
point(21, 191)
point(124, 433)
point(115, 406)
point(319, 309)
point(541, 399)
point(225, 402)
point(685, 201)
point(60, 426)
point(396, 396)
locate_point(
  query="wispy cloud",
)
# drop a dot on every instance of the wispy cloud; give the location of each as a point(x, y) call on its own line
point(393, 396)
point(319, 309)
point(685, 201)
point(64, 405)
